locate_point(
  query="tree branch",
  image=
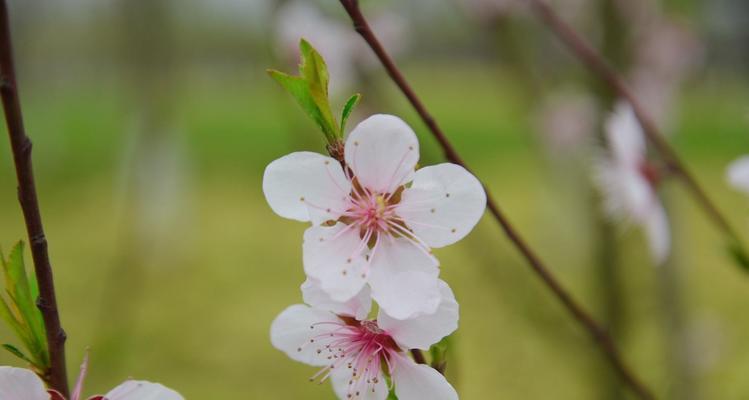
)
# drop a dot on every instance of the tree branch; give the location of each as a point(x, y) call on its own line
point(595, 62)
point(600, 336)
point(56, 375)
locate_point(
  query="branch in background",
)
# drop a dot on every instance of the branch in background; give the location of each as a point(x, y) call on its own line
point(599, 334)
point(598, 65)
point(56, 376)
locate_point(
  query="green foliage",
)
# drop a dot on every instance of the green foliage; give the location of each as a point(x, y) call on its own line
point(348, 109)
point(18, 310)
point(310, 90)
point(438, 352)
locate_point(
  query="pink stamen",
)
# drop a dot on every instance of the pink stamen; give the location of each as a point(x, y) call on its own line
point(360, 347)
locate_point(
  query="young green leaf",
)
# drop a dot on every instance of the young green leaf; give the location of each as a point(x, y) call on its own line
point(348, 109)
point(310, 89)
point(438, 353)
point(19, 309)
point(18, 353)
point(299, 89)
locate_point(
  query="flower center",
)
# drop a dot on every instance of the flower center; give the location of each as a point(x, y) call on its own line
point(361, 347)
point(650, 172)
point(372, 212)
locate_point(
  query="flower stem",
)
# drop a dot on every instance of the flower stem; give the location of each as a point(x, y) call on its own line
point(56, 375)
point(598, 333)
point(598, 66)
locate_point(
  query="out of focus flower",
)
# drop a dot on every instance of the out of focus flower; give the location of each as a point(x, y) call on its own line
point(567, 121)
point(665, 56)
point(737, 174)
point(23, 384)
point(376, 220)
point(356, 353)
point(336, 41)
point(628, 181)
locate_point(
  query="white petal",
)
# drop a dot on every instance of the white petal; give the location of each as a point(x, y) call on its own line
point(358, 307)
point(658, 234)
point(382, 151)
point(142, 390)
point(21, 384)
point(639, 196)
point(404, 279)
point(340, 379)
point(443, 204)
point(738, 174)
point(625, 136)
point(420, 382)
point(293, 329)
point(423, 331)
point(335, 257)
point(306, 186)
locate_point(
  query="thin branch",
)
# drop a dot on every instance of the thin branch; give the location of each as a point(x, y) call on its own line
point(598, 65)
point(56, 376)
point(600, 336)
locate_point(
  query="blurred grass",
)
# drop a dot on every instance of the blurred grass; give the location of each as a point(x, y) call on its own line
point(200, 305)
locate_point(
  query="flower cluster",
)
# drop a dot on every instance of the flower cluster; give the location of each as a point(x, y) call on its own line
point(375, 218)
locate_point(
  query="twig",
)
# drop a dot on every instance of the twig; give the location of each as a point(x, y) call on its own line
point(599, 334)
point(56, 376)
point(598, 65)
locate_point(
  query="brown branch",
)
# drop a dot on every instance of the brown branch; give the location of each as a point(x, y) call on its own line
point(56, 375)
point(599, 334)
point(597, 64)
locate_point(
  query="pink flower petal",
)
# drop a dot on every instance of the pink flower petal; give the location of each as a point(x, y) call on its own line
point(306, 186)
point(423, 331)
point(382, 151)
point(443, 204)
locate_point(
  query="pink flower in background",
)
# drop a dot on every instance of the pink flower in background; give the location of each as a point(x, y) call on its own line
point(628, 181)
point(375, 221)
point(22, 384)
point(355, 352)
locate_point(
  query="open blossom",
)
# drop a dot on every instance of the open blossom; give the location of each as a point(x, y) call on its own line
point(355, 353)
point(375, 221)
point(22, 384)
point(629, 182)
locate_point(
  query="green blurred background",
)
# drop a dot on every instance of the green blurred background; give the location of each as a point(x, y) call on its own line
point(153, 121)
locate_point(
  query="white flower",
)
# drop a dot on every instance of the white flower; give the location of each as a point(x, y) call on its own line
point(737, 174)
point(22, 384)
point(628, 181)
point(355, 353)
point(376, 221)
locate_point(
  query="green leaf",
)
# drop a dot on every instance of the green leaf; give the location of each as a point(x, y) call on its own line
point(438, 352)
point(18, 353)
point(10, 319)
point(392, 396)
point(348, 109)
point(299, 89)
point(310, 89)
point(739, 255)
point(19, 310)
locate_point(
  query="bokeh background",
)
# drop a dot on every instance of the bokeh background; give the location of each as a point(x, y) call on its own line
point(153, 121)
